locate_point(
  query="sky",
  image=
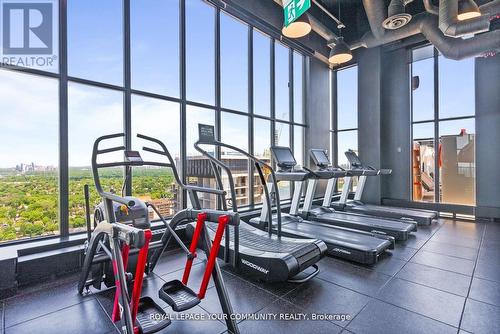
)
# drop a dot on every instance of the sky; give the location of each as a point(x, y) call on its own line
point(29, 104)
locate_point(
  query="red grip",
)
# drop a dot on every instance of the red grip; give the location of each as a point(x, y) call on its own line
point(202, 217)
point(223, 220)
point(139, 274)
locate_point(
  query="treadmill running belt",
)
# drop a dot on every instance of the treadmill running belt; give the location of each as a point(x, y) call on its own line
point(261, 241)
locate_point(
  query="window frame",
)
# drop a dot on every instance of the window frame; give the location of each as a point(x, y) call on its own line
point(128, 91)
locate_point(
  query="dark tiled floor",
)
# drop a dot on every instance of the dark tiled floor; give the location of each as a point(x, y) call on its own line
point(445, 279)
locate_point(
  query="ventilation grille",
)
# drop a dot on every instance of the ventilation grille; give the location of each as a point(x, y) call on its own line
point(396, 21)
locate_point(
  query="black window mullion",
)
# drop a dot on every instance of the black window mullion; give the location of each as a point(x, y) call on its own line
point(436, 127)
point(127, 84)
point(182, 78)
point(250, 119)
point(63, 121)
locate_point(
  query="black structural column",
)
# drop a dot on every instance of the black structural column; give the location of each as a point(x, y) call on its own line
point(369, 117)
point(487, 81)
point(318, 108)
point(396, 125)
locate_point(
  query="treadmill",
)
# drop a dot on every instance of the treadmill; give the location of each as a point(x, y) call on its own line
point(398, 229)
point(422, 217)
point(353, 245)
point(264, 256)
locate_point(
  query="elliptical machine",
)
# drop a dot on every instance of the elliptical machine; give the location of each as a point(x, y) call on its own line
point(120, 249)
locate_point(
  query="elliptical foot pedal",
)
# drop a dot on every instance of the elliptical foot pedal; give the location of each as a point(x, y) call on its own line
point(178, 296)
point(151, 318)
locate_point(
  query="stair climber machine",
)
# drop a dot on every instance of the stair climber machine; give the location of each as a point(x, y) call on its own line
point(121, 250)
point(350, 244)
point(264, 256)
point(422, 217)
point(399, 229)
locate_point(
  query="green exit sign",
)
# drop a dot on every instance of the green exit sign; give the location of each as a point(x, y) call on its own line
point(294, 8)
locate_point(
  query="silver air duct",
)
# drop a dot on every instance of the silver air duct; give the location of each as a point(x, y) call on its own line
point(397, 17)
point(376, 13)
point(452, 27)
point(427, 24)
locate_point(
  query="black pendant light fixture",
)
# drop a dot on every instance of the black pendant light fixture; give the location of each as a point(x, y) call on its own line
point(340, 52)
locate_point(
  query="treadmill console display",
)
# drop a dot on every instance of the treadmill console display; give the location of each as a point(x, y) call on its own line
point(206, 133)
point(133, 157)
point(320, 158)
point(284, 157)
point(353, 159)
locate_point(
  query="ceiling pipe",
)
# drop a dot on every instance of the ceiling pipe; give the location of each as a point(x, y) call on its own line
point(376, 13)
point(489, 8)
point(452, 27)
point(430, 8)
point(427, 24)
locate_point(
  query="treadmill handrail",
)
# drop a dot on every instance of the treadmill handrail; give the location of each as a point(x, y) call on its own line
point(258, 165)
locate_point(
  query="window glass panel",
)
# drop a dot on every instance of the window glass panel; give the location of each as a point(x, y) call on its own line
point(235, 132)
point(456, 88)
point(261, 74)
point(200, 52)
point(346, 140)
point(423, 96)
point(347, 98)
point(282, 138)
point(423, 53)
point(423, 162)
point(29, 151)
point(95, 40)
point(298, 144)
point(297, 88)
point(37, 48)
point(282, 78)
point(198, 168)
point(262, 143)
point(234, 63)
point(93, 112)
point(282, 134)
point(155, 46)
point(457, 161)
point(158, 119)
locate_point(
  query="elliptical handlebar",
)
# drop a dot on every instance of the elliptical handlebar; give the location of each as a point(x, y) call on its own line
point(258, 165)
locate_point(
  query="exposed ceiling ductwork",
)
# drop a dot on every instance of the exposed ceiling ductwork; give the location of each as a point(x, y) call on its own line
point(451, 26)
point(439, 25)
point(427, 24)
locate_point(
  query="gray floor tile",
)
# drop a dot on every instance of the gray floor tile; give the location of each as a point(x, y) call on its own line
point(481, 318)
point(173, 261)
point(436, 278)
point(86, 317)
point(323, 297)
point(488, 270)
point(359, 279)
point(380, 317)
point(244, 296)
point(187, 325)
point(403, 253)
point(489, 252)
point(283, 326)
point(445, 262)
point(389, 265)
point(451, 250)
point(34, 304)
point(485, 291)
point(432, 303)
point(456, 240)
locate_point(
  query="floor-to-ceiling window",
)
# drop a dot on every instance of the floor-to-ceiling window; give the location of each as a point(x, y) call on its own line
point(345, 124)
point(142, 67)
point(443, 130)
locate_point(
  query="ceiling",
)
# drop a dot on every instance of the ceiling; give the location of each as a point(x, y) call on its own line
point(352, 14)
